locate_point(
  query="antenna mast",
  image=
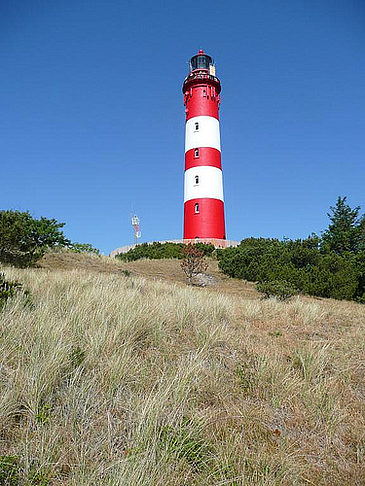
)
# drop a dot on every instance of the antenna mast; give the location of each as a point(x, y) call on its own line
point(136, 227)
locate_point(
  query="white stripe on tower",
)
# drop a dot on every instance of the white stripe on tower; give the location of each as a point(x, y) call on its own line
point(203, 181)
point(202, 131)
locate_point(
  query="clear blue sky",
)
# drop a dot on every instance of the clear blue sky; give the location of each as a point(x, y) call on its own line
point(92, 118)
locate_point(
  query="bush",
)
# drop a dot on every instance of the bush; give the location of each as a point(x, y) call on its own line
point(83, 248)
point(281, 289)
point(156, 251)
point(193, 262)
point(301, 263)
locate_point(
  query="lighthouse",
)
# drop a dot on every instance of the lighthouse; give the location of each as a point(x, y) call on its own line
point(203, 185)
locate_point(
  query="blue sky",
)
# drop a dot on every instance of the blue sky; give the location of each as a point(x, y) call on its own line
point(92, 118)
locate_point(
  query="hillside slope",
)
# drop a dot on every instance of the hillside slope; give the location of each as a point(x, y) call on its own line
point(165, 269)
point(115, 380)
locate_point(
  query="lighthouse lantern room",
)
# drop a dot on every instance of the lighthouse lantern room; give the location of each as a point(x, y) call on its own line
point(203, 187)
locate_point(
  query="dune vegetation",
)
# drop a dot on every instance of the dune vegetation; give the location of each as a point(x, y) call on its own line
point(116, 379)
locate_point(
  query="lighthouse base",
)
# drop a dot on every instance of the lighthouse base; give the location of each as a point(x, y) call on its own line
point(204, 218)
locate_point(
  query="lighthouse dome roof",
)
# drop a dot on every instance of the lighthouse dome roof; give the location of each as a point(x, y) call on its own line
point(200, 61)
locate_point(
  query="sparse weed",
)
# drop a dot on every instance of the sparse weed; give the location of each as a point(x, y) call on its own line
point(9, 471)
point(43, 414)
point(39, 476)
point(77, 356)
point(276, 334)
point(13, 474)
point(9, 289)
point(245, 378)
point(183, 442)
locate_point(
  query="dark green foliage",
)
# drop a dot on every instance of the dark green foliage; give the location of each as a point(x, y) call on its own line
point(206, 248)
point(157, 251)
point(10, 289)
point(281, 289)
point(331, 266)
point(9, 474)
point(154, 251)
point(83, 248)
point(24, 239)
point(346, 232)
point(300, 263)
point(360, 266)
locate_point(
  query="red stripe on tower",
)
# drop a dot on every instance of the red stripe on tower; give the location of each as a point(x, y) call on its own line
point(203, 156)
point(203, 187)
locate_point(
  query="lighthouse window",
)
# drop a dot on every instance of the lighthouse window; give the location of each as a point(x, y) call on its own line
point(196, 179)
point(204, 92)
point(196, 153)
point(196, 208)
point(196, 126)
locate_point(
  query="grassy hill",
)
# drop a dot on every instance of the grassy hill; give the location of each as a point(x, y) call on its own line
point(108, 379)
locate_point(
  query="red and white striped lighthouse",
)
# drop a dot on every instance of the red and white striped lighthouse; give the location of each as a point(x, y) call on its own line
point(203, 187)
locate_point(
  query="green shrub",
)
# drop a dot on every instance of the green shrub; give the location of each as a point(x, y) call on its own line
point(281, 289)
point(83, 248)
point(157, 251)
point(206, 248)
point(301, 263)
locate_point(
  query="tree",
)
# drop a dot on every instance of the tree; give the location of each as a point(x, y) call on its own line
point(24, 239)
point(193, 261)
point(346, 232)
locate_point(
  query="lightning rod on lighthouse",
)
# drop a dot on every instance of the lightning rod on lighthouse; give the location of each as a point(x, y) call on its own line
point(203, 186)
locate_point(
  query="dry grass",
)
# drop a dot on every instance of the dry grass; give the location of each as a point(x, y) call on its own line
point(168, 270)
point(115, 380)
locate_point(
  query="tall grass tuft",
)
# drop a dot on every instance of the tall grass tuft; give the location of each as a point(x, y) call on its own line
point(126, 381)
